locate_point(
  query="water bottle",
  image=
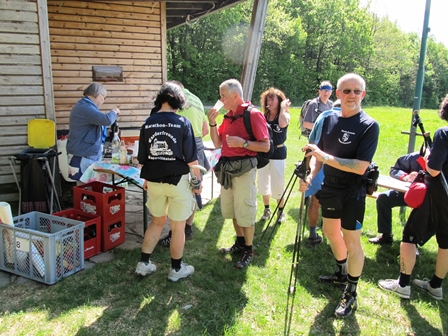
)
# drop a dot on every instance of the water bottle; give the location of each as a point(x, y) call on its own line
point(123, 154)
point(116, 148)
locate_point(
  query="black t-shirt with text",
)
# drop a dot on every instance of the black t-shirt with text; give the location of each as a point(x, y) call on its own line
point(166, 147)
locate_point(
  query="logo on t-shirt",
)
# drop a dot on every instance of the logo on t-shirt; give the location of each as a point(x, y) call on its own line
point(159, 148)
point(345, 139)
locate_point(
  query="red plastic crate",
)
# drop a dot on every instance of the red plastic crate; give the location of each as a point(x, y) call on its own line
point(102, 199)
point(92, 229)
point(114, 232)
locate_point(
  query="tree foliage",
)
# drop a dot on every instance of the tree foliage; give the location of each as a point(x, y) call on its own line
point(304, 43)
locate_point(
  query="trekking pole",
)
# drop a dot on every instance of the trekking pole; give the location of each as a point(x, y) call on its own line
point(276, 208)
point(302, 172)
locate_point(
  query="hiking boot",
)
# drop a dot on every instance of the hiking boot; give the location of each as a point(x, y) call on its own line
point(145, 268)
point(435, 293)
point(334, 279)
point(384, 239)
point(347, 305)
point(184, 271)
point(245, 260)
point(266, 214)
point(313, 242)
point(165, 242)
point(234, 249)
point(188, 232)
point(281, 218)
point(392, 285)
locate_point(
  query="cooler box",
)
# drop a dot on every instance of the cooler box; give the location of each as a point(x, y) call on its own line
point(107, 201)
point(42, 247)
point(92, 229)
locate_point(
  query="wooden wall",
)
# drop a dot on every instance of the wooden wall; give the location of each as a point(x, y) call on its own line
point(127, 34)
point(25, 81)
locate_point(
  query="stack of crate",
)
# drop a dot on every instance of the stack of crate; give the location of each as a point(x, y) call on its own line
point(108, 202)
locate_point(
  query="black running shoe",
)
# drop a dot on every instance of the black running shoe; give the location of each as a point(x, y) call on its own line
point(165, 242)
point(234, 249)
point(347, 305)
point(334, 279)
point(245, 260)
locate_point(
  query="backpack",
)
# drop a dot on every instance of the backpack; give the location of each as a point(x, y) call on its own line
point(263, 158)
point(371, 178)
point(305, 132)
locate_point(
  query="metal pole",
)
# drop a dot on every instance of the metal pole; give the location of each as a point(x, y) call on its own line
point(420, 78)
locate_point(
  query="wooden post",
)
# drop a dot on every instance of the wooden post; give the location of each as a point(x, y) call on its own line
point(252, 53)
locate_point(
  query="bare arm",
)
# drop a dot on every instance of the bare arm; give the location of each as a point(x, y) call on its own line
point(256, 146)
point(284, 117)
point(348, 165)
point(205, 129)
point(216, 138)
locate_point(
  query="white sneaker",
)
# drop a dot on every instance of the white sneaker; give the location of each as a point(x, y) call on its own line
point(436, 293)
point(266, 214)
point(393, 286)
point(184, 271)
point(281, 218)
point(145, 268)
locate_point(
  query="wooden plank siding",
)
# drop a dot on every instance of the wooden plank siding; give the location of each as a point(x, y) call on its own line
point(126, 34)
point(23, 82)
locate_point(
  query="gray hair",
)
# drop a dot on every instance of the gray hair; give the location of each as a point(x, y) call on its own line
point(352, 76)
point(94, 90)
point(234, 86)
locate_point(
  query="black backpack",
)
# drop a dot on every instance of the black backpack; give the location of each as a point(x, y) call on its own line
point(263, 158)
point(305, 132)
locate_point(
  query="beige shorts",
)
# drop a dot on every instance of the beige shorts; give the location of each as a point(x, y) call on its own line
point(240, 201)
point(271, 179)
point(176, 201)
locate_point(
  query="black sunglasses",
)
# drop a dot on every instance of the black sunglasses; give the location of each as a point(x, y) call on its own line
point(348, 91)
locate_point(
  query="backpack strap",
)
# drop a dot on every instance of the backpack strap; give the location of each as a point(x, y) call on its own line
point(247, 123)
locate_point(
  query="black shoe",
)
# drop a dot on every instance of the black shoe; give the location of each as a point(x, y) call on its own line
point(188, 233)
point(245, 260)
point(347, 305)
point(165, 242)
point(382, 240)
point(235, 248)
point(334, 279)
point(313, 242)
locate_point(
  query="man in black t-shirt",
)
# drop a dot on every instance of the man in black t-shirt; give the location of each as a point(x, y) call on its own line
point(345, 150)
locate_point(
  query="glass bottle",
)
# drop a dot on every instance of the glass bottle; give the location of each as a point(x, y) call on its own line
point(116, 148)
point(123, 153)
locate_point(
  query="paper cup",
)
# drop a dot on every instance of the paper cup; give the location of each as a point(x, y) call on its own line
point(218, 105)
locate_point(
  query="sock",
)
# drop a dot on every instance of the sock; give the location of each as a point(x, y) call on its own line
point(404, 280)
point(248, 248)
point(188, 228)
point(240, 241)
point(266, 206)
point(280, 210)
point(176, 264)
point(352, 283)
point(435, 282)
point(145, 257)
point(342, 266)
point(313, 234)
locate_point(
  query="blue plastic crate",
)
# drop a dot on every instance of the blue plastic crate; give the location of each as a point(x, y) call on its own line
point(42, 247)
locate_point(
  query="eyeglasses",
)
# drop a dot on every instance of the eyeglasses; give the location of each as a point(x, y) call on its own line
point(348, 91)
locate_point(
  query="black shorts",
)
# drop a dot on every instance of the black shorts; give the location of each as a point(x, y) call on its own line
point(344, 204)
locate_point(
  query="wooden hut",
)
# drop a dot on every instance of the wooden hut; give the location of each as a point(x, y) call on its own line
point(50, 50)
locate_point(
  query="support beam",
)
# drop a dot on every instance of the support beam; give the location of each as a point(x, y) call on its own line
point(253, 47)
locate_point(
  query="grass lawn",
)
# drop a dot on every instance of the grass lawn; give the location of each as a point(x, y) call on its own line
point(221, 300)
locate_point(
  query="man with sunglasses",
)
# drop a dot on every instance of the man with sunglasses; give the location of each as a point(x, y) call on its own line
point(345, 150)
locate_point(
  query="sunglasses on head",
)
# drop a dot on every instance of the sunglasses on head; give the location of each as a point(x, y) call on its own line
point(348, 91)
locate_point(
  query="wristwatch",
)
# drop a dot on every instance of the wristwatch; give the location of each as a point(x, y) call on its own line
point(245, 144)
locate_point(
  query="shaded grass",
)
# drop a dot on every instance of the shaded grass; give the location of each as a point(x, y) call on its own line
point(220, 300)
